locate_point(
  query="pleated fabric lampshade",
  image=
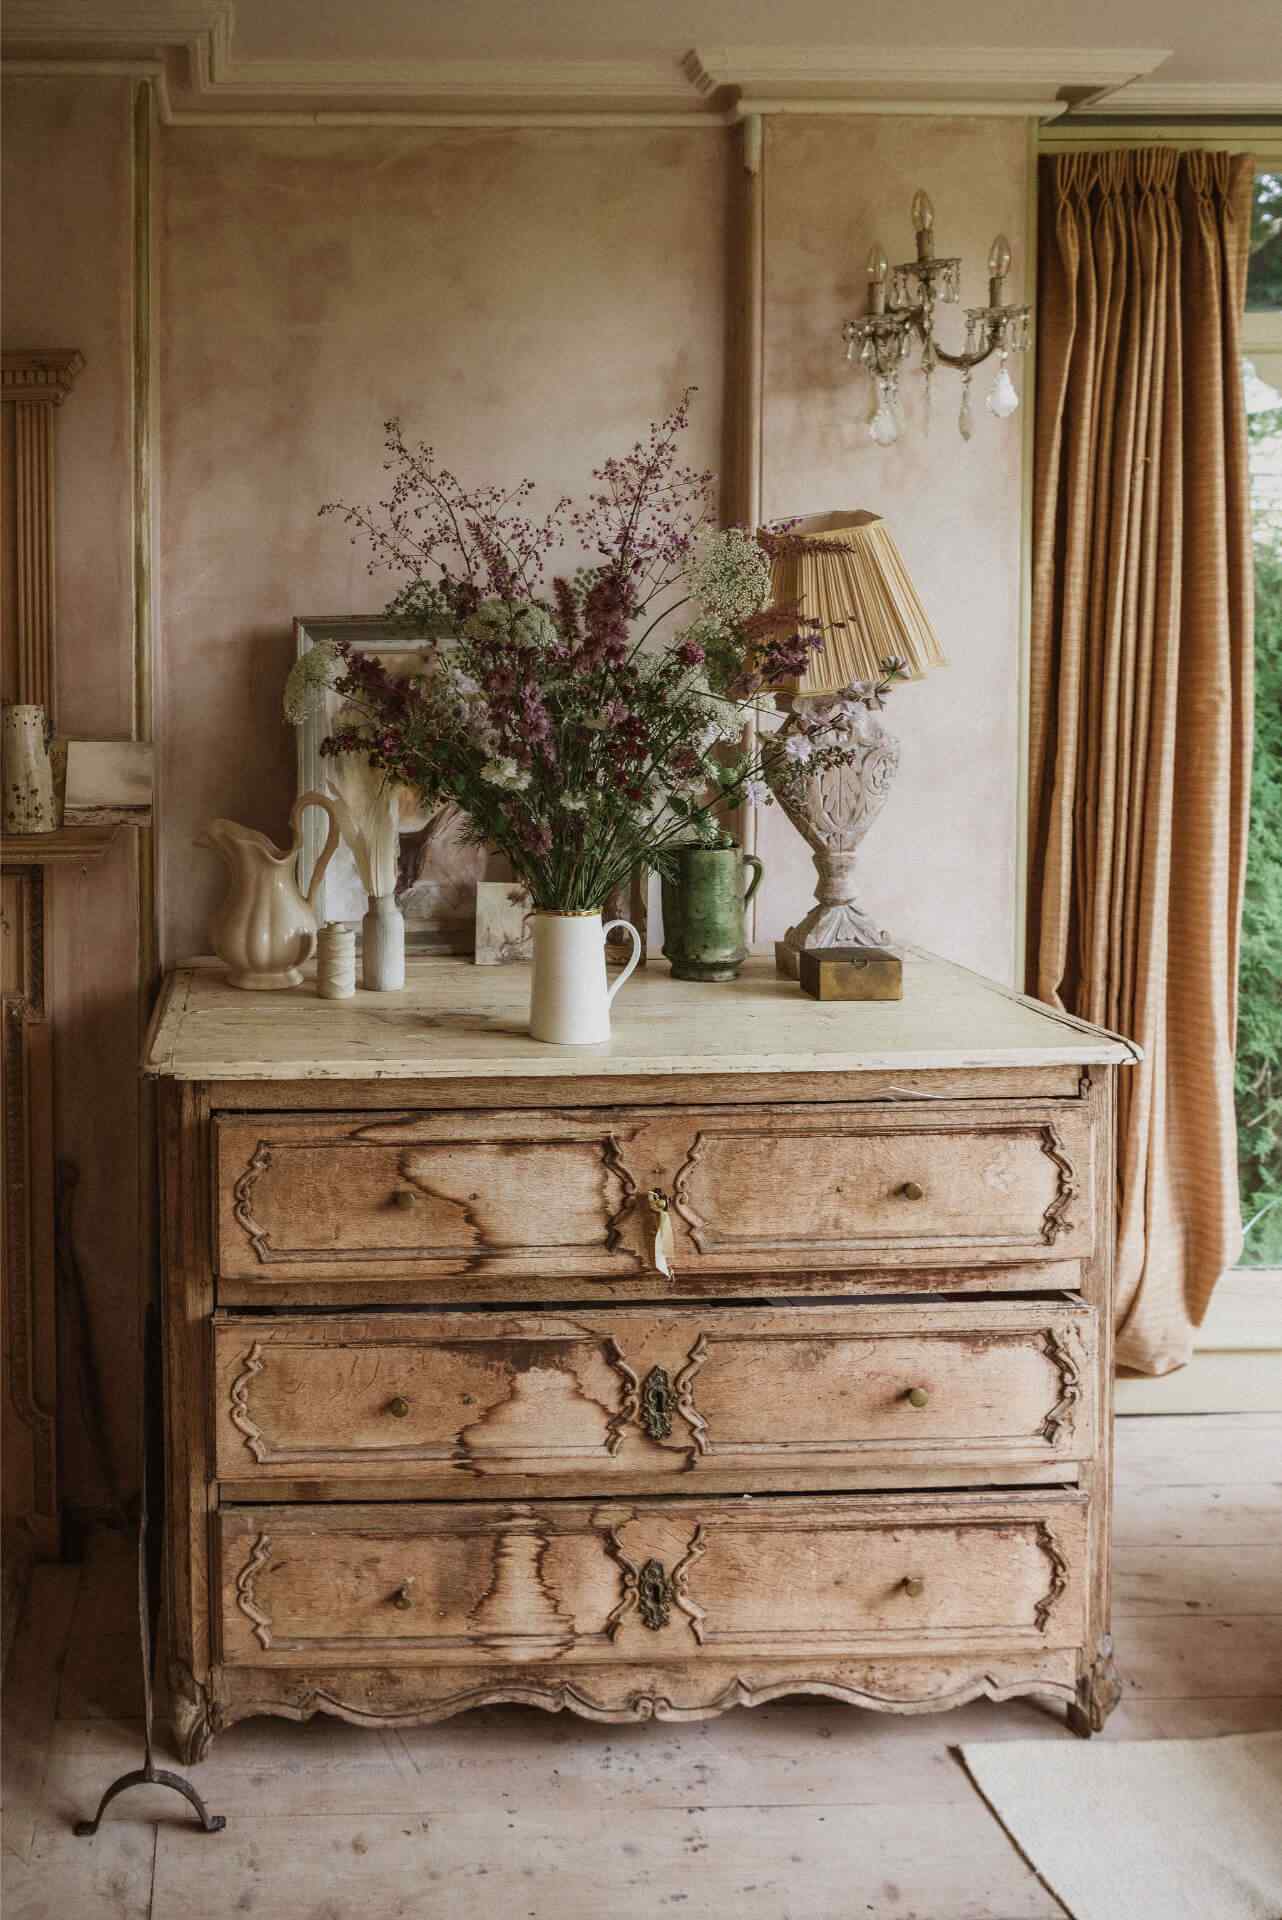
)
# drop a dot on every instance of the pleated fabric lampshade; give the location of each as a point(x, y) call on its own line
point(846, 572)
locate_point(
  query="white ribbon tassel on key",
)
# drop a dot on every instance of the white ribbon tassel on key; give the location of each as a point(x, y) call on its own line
point(661, 1230)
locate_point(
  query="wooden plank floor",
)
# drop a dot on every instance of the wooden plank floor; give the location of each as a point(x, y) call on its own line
point(802, 1810)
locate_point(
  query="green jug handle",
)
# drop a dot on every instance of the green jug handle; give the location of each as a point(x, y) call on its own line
point(751, 860)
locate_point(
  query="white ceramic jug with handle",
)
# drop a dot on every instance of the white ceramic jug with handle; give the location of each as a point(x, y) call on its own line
point(569, 997)
point(266, 926)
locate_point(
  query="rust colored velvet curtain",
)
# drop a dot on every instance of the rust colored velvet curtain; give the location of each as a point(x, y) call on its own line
point(1140, 694)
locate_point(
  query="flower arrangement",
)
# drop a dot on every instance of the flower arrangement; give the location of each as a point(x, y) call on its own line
point(586, 724)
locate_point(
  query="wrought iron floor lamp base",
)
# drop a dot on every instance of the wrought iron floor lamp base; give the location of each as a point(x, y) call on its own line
point(149, 1774)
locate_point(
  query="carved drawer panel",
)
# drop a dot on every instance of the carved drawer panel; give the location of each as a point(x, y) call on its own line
point(576, 1582)
point(642, 1198)
point(511, 1192)
point(788, 1396)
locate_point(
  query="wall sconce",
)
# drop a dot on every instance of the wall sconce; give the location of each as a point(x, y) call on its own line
point(881, 341)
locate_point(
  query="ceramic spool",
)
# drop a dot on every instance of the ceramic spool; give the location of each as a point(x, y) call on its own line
point(335, 961)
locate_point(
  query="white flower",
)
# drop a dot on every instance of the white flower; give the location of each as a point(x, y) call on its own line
point(798, 746)
point(729, 575)
point(574, 802)
point(756, 793)
point(534, 627)
point(311, 678)
point(505, 773)
point(719, 729)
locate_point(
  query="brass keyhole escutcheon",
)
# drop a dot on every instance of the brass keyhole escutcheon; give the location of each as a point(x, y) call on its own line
point(654, 1599)
point(911, 1191)
point(657, 1402)
point(403, 1598)
point(917, 1396)
point(399, 1406)
point(914, 1587)
point(405, 1198)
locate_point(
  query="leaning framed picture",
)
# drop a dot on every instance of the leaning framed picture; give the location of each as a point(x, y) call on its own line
point(437, 867)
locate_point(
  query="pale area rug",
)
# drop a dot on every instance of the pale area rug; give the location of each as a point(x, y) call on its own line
point(1145, 1829)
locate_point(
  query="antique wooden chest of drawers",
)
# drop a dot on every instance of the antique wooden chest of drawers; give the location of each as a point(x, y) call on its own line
point(765, 1349)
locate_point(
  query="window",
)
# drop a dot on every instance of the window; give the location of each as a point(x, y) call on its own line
point(1264, 275)
point(1259, 1057)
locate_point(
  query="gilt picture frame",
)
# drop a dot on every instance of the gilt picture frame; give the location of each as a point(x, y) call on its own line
point(438, 869)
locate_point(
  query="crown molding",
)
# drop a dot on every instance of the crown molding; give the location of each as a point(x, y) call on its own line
point(1197, 99)
point(187, 47)
point(206, 83)
point(1039, 83)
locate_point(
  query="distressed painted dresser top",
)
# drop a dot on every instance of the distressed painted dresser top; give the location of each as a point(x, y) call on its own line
point(455, 1020)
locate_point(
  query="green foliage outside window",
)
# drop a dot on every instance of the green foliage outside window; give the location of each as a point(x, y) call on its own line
point(1259, 1052)
point(1264, 272)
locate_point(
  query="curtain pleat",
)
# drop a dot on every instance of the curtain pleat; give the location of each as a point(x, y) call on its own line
point(1140, 687)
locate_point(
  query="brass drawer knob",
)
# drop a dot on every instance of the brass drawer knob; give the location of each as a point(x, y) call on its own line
point(405, 1198)
point(913, 1587)
point(917, 1396)
point(398, 1407)
point(911, 1191)
point(403, 1598)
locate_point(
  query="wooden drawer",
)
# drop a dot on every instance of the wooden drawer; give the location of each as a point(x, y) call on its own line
point(800, 1396)
point(306, 1206)
point(576, 1582)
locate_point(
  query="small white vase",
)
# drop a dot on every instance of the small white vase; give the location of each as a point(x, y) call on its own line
point(383, 945)
point(29, 803)
point(569, 996)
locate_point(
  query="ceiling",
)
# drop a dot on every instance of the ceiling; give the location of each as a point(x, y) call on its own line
point(426, 58)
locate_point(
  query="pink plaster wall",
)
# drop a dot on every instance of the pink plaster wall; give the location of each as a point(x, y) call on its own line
point(526, 300)
point(529, 300)
point(68, 260)
point(939, 866)
point(68, 282)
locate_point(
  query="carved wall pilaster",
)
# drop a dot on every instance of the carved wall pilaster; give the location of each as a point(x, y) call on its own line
point(34, 384)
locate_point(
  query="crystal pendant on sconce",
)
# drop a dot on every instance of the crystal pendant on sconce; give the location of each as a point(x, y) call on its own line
point(884, 424)
point(1003, 399)
point(966, 419)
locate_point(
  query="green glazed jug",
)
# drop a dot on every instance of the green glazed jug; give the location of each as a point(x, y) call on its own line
point(703, 907)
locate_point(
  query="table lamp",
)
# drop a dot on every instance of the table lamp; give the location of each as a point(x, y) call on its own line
point(844, 571)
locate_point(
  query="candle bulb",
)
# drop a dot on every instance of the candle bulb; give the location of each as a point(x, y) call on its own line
point(924, 224)
point(878, 268)
point(998, 268)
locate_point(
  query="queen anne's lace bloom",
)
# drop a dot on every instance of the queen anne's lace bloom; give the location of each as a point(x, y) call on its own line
point(729, 576)
point(311, 678)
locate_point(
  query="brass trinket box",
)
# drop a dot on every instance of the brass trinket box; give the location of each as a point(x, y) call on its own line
point(852, 973)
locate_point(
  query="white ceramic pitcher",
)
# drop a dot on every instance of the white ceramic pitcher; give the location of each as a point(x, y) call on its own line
point(266, 925)
point(569, 997)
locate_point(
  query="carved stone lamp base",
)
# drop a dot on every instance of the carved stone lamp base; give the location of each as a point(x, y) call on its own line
point(832, 809)
point(829, 925)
